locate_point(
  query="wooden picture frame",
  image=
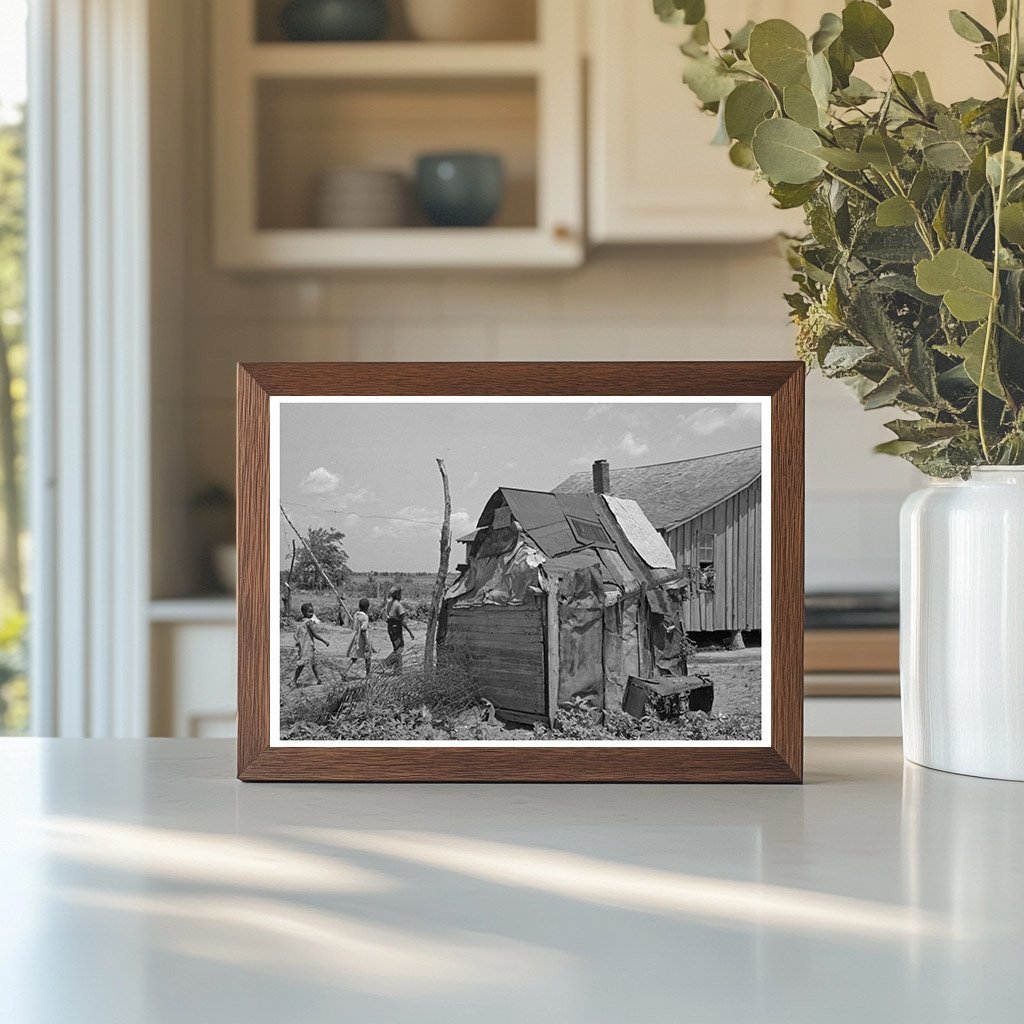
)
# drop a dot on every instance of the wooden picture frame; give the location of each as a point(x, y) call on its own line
point(779, 758)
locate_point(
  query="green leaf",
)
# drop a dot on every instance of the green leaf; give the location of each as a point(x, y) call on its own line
point(866, 29)
point(1014, 169)
point(884, 395)
point(939, 220)
point(676, 12)
point(739, 41)
point(858, 91)
point(841, 60)
point(778, 50)
point(785, 152)
point(976, 174)
point(830, 29)
point(921, 185)
point(969, 28)
point(708, 80)
point(924, 87)
point(844, 159)
point(896, 212)
point(896, 447)
point(789, 197)
point(741, 155)
point(972, 352)
point(820, 76)
point(946, 156)
point(883, 153)
point(800, 105)
point(963, 281)
point(746, 107)
point(1012, 225)
point(923, 431)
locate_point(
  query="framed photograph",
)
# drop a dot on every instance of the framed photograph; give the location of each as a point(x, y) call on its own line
point(531, 572)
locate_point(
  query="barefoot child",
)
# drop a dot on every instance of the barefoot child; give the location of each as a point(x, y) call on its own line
point(306, 634)
point(360, 645)
point(397, 628)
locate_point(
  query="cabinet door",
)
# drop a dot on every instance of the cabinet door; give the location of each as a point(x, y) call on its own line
point(654, 175)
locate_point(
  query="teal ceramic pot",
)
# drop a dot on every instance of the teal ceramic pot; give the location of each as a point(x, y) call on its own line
point(332, 21)
point(461, 190)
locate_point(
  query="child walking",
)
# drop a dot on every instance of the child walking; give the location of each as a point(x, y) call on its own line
point(306, 634)
point(360, 645)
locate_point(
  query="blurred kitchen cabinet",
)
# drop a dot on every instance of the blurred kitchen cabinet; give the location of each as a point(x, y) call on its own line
point(287, 114)
point(192, 652)
point(653, 175)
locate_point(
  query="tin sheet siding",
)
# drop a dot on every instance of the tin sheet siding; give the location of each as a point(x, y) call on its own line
point(508, 644)
point(736, 600)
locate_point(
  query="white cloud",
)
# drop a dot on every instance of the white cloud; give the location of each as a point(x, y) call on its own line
point(632, 446)
point(320, 481)
point(710, 419)
point(358, 496)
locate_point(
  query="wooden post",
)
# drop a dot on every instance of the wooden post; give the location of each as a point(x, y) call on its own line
point(286, 597)
point(316, 562)
point(553, 634)
point(429, 651)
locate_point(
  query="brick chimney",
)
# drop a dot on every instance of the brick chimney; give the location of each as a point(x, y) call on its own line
point(602, 477)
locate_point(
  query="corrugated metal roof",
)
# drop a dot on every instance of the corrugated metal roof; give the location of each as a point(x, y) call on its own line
point(543, 518)
point(675, 492)
point(540, 515)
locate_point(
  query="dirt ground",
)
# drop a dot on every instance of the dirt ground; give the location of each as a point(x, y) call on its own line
point(737, 679)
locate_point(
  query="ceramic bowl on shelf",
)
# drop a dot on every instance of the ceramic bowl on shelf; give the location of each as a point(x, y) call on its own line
point(470, 20)
point(460, 189)
point(361, 198)
point(332, 21)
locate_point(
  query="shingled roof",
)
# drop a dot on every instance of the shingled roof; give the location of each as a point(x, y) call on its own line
point(675, 492)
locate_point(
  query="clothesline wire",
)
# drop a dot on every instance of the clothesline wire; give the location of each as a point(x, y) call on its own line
point(346, 512)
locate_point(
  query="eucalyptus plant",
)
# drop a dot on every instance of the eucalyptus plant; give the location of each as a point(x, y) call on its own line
point(910, 278)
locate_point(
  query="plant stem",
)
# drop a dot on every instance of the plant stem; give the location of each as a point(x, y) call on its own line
point(923, 228)
point(849, 184)
point(1000, 199)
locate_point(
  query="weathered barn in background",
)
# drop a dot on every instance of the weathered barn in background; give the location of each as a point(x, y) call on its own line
point(565, 596)
point(708, 510)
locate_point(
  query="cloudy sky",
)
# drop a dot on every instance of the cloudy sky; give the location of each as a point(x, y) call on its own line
point(369, 470)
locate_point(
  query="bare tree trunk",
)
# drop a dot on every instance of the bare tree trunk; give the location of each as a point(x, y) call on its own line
point(286, 597)
point(11, 490)
point(327, 579)
point(429, 652)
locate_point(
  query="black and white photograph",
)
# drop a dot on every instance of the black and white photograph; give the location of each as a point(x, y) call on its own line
point(499, 570)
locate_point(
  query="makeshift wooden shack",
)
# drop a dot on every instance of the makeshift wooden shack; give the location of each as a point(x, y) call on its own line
point(564, 596)
point(709, 511)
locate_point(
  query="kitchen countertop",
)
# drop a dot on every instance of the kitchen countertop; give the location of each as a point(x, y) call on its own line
point(144, 885)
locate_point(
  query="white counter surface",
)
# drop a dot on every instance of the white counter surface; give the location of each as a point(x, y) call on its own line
point(143, 885)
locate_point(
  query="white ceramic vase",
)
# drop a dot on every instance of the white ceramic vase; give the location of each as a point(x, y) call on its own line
point(962, 624)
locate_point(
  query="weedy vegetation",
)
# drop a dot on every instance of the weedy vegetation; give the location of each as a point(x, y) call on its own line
point(910, 278)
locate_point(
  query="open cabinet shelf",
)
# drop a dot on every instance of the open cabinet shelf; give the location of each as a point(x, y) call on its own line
point(394, 60)
point(286, 114)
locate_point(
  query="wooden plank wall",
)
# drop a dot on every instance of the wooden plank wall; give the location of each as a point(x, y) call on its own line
point(736, 601)
point(507, 647)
